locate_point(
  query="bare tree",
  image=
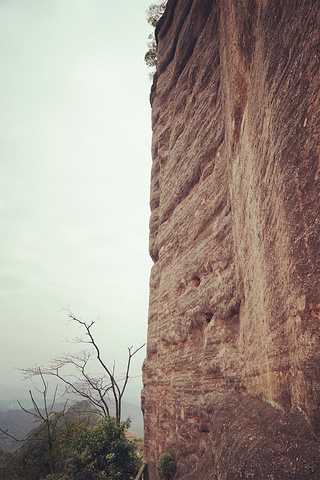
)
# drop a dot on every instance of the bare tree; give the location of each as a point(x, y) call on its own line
point(46, 415)
point(72, 370)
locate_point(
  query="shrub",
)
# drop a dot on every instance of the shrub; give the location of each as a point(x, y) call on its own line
point(101, 453)
point(166, 466)
point(79, 452)
point(154, 13)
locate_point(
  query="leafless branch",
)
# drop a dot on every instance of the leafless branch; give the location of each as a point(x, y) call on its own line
point(80, 381)
point(9, 435)
point(45, 418)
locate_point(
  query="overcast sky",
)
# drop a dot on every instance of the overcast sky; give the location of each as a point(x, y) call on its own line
point(75, 169)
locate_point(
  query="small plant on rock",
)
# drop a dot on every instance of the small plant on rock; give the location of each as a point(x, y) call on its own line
point(166, 466)
point(154, 13)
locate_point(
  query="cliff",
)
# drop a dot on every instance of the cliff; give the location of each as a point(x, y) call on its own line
point(232, 374)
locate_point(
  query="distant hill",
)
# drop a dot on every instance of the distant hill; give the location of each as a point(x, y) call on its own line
point(134, 412)
point(9, 396)
point(18, 423)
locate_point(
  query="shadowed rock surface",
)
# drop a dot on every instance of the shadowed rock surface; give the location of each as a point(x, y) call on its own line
point(232, 374)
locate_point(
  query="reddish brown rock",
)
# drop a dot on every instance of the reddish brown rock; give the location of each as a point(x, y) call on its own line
point(232, 374)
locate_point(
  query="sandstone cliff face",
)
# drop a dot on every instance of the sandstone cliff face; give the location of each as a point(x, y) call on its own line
point(232, 374)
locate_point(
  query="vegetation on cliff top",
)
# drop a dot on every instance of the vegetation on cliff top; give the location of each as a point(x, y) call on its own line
point(154, 13)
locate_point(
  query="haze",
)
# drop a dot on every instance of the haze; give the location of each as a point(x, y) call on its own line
point(75, 167)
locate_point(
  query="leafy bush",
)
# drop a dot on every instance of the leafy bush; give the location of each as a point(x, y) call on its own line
point(80, 452)
point(166, 466)
point(101, 453)
point(154, 13)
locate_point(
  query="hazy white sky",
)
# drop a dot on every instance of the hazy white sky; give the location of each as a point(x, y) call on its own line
point(75, 167)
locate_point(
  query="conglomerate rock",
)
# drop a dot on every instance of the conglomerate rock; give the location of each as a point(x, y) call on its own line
point(232, 374)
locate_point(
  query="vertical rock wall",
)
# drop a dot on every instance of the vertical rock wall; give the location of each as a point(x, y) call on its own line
point(232, 374)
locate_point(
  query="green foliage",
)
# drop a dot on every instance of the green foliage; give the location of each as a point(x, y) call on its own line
point(166, 466)
point(79, 452)
point(154, 13)
point(34, 459)
point(151, 56)
point(101, 453)
point(29, 464)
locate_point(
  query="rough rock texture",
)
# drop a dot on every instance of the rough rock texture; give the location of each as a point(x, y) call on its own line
point(232, 374)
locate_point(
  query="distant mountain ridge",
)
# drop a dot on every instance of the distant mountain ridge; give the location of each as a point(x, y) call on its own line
point(19, 423)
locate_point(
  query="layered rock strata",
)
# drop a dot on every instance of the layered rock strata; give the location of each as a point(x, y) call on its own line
point(232, 374)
